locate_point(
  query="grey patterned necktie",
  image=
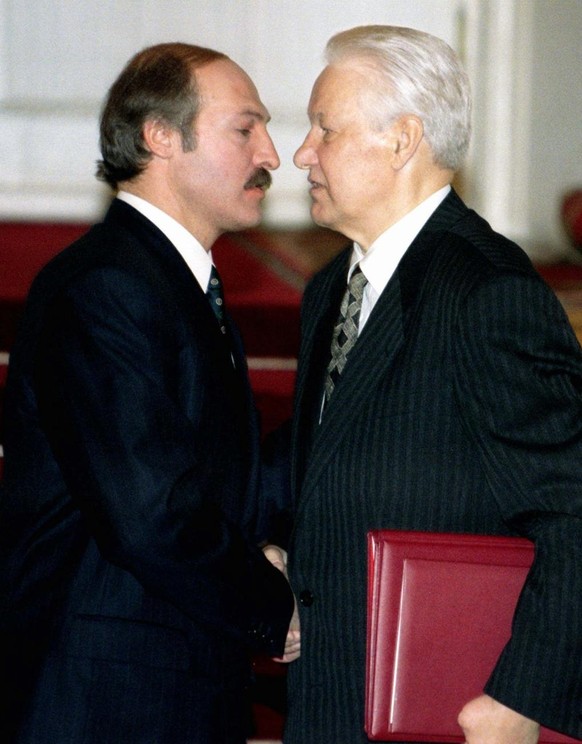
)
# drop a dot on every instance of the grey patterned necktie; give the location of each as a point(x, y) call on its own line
point(216, 298)
point(345, 332)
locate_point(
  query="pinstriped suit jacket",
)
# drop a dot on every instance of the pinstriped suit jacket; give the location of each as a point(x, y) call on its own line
point(131, 590)
point(460, 409)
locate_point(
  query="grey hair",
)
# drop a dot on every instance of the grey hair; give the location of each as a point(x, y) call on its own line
point(415, 73)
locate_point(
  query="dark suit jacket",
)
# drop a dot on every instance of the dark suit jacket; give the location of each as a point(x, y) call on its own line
point(460, 409)
point(131, 586)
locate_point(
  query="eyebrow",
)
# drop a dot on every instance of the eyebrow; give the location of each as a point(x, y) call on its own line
point(316, 117)
point(266, 117)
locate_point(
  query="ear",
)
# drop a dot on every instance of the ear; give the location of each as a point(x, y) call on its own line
point(158, 138)
point(406, 134)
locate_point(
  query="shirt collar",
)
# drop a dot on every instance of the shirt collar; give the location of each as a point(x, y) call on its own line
point(199, 260)
point(381, 259)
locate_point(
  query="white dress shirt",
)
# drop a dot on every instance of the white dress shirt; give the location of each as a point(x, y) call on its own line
point(379, 262)
point(198, 259)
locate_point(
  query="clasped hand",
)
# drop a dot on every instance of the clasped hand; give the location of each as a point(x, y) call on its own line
point(278, 557)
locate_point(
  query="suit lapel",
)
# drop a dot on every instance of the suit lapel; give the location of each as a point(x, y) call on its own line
point(151, 253)
point(317, 324)
point(373, 354)
point(316, 339)
point(369, 361)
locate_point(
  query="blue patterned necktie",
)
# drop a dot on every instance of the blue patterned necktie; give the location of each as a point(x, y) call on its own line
point(216, 298)
point(345, 332)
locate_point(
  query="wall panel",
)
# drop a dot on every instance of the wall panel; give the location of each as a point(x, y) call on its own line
point(58, 57)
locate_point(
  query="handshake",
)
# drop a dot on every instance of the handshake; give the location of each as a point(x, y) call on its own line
point(278, 557)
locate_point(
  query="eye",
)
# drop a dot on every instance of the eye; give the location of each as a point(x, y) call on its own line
point(245, 132)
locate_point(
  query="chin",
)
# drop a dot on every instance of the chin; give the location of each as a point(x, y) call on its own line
point(255, 220)
point(251, 220)
point(319, 217)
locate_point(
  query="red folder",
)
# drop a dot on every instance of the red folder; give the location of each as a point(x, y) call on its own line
point(432, 638)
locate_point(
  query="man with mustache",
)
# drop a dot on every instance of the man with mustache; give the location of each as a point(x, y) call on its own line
point(133, 591)
point(438, 389)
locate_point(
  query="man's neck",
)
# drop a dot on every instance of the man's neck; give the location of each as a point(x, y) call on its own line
point(155, 195)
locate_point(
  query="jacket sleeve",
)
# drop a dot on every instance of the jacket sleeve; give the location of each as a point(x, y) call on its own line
point(519, 379)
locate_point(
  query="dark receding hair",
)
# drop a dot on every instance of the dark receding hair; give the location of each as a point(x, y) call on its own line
point(158, 83)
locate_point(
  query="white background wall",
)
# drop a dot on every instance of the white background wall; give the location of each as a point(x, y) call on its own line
point(58, 57)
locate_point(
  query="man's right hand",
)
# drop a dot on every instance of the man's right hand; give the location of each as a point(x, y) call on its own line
point(278, 557)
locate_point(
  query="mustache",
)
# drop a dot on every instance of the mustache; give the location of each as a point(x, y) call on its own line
point(261, 178)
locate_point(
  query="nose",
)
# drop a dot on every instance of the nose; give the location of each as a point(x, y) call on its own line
point(306, 155)
point(267, 156)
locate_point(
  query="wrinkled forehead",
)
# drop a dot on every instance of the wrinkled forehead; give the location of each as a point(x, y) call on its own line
point(338, 85)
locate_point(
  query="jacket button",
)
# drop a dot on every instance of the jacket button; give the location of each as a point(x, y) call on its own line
point(306, 598)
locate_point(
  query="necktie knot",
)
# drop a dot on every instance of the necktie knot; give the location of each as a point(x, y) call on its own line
point(357, 284)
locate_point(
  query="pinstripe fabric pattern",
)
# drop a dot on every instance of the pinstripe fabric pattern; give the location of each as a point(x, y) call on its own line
point(459, 410)
point(131, 587)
